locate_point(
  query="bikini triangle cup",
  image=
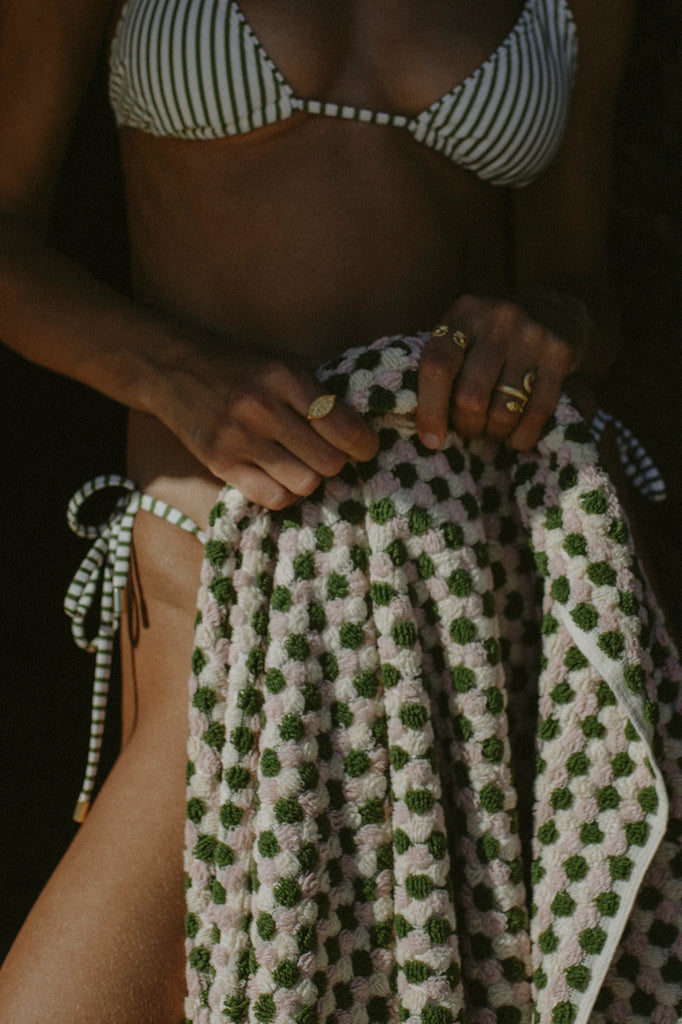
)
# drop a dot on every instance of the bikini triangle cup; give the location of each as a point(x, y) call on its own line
point(196, 70)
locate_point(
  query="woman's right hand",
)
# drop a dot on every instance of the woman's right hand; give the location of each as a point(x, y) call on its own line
point(244, 416)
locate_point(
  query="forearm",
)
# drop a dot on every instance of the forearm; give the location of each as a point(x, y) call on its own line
point(561, 220)
point(52, 312)
point(240, 411)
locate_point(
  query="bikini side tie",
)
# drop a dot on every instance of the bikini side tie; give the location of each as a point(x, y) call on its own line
point(637, 464)
point(105, 569)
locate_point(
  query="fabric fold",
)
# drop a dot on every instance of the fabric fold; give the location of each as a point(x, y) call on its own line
point(601, 800)
point(426, 776)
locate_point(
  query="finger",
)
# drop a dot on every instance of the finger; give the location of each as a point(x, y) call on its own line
point(265, 423)
point(248, 451)
point(541, 405)
point(500, 328)
point(329, 440)
point(553, 366)
point(260, 488)
point(473, 390)
point(296, 475)
point(278, 463)
point(294, 434)
point(510, 398)
point(345, 430)
point(440, 363)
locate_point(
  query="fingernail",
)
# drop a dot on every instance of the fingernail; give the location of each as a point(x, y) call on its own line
point(430, 440)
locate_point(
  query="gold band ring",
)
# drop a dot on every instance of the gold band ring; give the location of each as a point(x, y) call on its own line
point(321, 407)
point(520, 397)
point(505, 389)
point(459, 338)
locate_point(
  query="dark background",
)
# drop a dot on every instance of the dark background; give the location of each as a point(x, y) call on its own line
point(56, 434)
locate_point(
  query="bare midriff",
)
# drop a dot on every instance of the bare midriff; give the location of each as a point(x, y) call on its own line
point(299, 240)
point(317, 234)
point(308, 238)
point(302, 239)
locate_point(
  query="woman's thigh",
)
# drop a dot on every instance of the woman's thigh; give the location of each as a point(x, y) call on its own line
point(104, 942)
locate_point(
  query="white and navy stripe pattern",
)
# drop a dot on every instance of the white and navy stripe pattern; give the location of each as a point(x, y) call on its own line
point(104, 571)
point(194, 69)
point(637, 464)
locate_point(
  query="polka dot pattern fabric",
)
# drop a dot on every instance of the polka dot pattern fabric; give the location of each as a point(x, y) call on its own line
point(434, 741)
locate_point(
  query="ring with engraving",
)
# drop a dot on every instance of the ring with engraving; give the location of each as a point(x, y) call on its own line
point(321, 407)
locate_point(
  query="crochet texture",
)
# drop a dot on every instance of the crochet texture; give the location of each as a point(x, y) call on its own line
point(434, 742)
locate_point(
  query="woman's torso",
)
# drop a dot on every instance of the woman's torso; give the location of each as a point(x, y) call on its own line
point(312, 233)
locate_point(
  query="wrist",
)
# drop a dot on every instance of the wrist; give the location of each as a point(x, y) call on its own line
point(562, 312)
point(576, 314)
point(136, 358)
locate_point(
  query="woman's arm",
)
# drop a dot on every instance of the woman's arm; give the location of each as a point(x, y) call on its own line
point(47, 55)
point(562, 319)
point(561, 219)
point(242, 415)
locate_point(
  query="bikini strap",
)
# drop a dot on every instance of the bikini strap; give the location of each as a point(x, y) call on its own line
point(104, 571)
point(637, 464)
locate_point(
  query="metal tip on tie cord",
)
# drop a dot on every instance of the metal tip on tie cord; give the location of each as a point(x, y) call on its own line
point(81, 811)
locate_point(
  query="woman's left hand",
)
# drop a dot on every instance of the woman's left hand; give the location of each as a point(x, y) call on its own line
point(493, 343)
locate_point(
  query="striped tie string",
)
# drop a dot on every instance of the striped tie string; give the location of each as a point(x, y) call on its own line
point(637, 464)
point(104, 570)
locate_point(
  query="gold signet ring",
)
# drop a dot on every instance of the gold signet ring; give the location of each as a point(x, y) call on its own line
point(440, 331)
point(321, 407)
point(460, 339)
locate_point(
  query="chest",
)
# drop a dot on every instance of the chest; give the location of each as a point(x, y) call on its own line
point(387, 54)
point(489, 93)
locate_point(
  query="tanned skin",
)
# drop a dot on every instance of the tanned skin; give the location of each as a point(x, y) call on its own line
point(255, 259)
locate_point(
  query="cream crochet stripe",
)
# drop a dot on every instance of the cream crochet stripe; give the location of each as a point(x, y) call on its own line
point(434, 737)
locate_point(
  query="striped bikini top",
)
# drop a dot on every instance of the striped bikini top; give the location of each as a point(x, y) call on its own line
point(194, 69)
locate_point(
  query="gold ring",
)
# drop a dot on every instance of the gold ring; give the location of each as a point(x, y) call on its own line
point(505, 389)
point(321, 407)
point(520, 397)
point(459, 337)
point(516, 406)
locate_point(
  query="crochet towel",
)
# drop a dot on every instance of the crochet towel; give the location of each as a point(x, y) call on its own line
point(434, 737)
